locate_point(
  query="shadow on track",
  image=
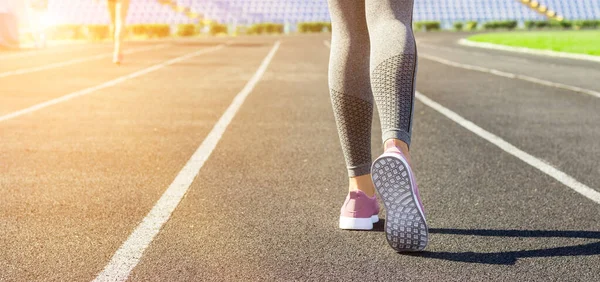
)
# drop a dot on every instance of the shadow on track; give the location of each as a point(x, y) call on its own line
point(510, 258)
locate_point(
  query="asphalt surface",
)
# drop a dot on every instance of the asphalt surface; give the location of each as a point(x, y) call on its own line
point(77, 177)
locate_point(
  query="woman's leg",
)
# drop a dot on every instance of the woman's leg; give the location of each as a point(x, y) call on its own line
point(122, 8)
point(350, 89)
point(393, 68)
point(112, 13)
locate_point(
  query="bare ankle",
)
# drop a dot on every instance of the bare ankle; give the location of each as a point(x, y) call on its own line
point(401, 145)
point(362, 183)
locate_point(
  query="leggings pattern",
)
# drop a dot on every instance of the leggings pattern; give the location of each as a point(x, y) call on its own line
point(393, 89)
point(354, 117)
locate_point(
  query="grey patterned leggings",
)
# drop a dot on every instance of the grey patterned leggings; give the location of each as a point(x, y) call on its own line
point(373, 55)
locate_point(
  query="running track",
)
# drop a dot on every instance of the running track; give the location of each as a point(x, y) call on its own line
point(89, 148)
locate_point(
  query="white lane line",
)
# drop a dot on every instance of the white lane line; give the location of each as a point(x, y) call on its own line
point(76, 61)
point(518, 60)
point(51, 50)
point(509, 148)
point(549, 53)
point(510, 75)
point(107, 84)
point(129, 254)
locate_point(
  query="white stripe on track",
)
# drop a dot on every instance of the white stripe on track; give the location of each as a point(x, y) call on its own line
point(76, 61)
point(511, 75)
point(524, 50)
point(129, 254)
point(509, 148)
point(51, 50)
point(107, 84)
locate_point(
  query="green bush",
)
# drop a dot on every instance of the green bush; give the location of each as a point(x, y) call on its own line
point(304, 27)
point(137, 29)
point(150, 30)
point(472, 25)
point(187, 30)
point(98, 32)
point(217, 28)
point(101, 32)
point(312, 27)
point(79, 32)
point(489, 25)
point(427, 26)
point(561, 24)
point(542, 24)
point(566, 24)
point(458, 26)
point(537, 24)
point(70, 31)
point(529, 24)
point(256, 29)
point(262, 28)
point(274, 28)
point(159, 30)
point(510, 25)
point(586, 24)
point(500, 25)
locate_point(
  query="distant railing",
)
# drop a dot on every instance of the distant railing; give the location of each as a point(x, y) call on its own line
point(542, 9)
point(182, 9)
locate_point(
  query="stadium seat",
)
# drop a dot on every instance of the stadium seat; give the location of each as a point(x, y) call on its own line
point(294, 11)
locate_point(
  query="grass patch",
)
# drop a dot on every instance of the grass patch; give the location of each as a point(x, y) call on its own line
point(576, 41)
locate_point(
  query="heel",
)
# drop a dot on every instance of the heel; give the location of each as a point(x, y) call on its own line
point(352, 223)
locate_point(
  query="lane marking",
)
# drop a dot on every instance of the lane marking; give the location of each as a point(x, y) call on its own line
point(523, 50)
point(549, 170)
point(52, 50)
point(511, 75)
point(76, 61)
point(129, 254)
point(107, 84)
point(506, 57)
point(509, 148)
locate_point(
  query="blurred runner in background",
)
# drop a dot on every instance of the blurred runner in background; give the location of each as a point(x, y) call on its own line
point(118, 16)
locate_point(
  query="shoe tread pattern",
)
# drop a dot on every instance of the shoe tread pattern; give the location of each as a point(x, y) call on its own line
point(405, 227)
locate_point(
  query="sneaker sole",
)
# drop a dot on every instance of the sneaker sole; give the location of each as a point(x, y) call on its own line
point(405, 225)
point(352, 223)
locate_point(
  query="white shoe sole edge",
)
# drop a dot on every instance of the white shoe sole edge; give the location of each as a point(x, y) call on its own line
point(358, 223)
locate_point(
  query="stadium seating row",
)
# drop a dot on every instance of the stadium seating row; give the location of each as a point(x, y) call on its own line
point(293, 11)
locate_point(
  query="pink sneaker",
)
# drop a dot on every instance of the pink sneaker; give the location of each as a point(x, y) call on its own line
point(359, 211)
point(405, 225)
